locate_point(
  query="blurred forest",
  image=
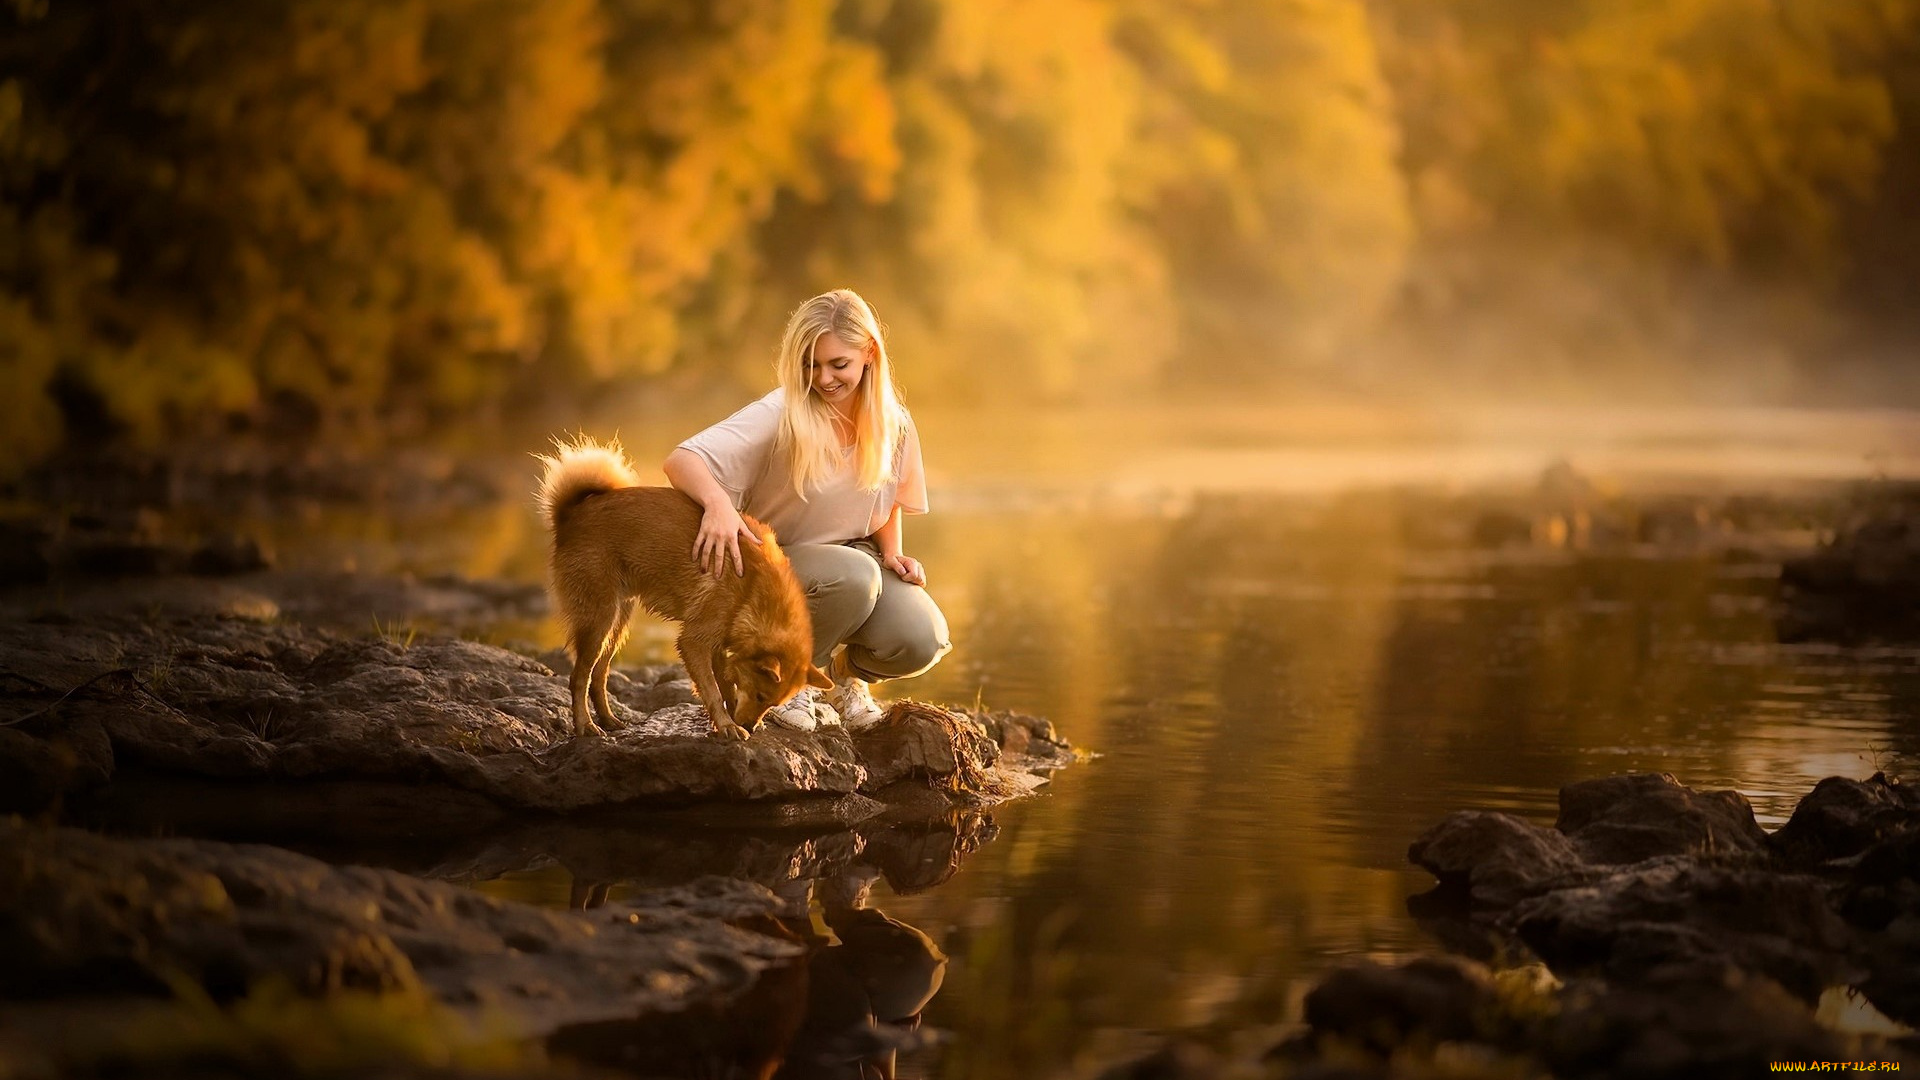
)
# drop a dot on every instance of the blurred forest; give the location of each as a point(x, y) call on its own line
point(328, 215)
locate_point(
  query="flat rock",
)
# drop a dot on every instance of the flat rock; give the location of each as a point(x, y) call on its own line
point(236, 700)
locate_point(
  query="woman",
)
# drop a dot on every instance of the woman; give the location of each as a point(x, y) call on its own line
point(831, 461)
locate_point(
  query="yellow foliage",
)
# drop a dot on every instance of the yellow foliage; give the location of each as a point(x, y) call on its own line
point(388, 204)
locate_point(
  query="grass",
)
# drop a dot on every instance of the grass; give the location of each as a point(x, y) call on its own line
point(1878, 756)
point(395, 633)
point(159, 674)
point(264, 724)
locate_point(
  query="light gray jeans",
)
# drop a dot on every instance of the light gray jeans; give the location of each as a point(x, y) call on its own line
point(892, 630)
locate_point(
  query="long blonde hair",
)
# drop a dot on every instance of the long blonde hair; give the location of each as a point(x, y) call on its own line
point(806, 424)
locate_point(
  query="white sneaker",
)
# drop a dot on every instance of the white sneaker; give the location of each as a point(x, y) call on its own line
point(854, 702)
point(806, 712)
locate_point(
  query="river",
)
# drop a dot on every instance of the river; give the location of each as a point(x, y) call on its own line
point(1289, 645)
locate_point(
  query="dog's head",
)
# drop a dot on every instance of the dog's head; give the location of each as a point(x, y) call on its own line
point(768, 678)
point(771, 640)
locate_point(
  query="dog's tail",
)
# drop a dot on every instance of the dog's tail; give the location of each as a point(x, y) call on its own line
point(578, 469)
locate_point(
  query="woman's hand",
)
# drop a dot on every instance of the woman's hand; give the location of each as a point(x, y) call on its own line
point(907, 567)
point(721, 530)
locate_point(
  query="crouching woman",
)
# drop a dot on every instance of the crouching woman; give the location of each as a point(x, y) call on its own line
point(830, 459)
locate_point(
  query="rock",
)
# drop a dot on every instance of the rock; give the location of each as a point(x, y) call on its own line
point(1624, 819)
point(1431, 998)
point(1731, 1025)
point(1446, 1017)
point(236, 700)
point(1864, 584)
point(84, 917)
point(1843, 817)
point(1673, 918)
point(1644, 880)
point(921, 740)
point(1880, 898)
point(1178, 1060)
point(1030, 738)
point(1495, 860)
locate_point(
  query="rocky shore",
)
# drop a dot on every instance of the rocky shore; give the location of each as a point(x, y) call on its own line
point(430, 763)
point(1653, 931)
point(471, 730)
point(155, 682)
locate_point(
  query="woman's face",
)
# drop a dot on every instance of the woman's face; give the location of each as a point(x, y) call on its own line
point(837, 369)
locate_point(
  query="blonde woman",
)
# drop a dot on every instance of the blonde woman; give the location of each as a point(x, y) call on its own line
point(831, 461)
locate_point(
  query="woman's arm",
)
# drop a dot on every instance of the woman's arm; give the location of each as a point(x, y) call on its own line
point(720, 525)
point(887, 539)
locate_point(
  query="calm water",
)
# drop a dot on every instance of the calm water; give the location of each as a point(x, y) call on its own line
point(1285, 683)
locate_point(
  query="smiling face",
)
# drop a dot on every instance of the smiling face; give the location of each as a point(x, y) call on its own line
point(836, 371)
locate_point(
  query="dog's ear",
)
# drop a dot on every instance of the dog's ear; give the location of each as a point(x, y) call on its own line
point(818, 679)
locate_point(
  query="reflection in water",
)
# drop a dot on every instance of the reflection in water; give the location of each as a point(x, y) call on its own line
point(843, 1012)
point(590, 863)
point(868, 979)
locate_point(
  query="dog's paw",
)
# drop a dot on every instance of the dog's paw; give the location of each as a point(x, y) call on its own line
point(590, 729)
point(732, 732)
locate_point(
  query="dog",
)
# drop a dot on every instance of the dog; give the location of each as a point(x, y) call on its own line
point(746, 640)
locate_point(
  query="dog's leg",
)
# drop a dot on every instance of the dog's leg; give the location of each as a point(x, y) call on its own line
point(723, 671)
point(696, 652)
point(592, 628)
point(597, 688)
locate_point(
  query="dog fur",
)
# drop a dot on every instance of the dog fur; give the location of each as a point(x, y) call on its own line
point(746, 640)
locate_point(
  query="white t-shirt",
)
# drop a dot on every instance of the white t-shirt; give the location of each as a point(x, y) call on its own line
point(741, 453)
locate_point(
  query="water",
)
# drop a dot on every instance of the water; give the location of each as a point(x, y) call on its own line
point(1283, 696)
point(1285, 683)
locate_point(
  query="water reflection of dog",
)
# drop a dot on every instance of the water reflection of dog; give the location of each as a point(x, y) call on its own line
point(843, 1013)
point(867, 985)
